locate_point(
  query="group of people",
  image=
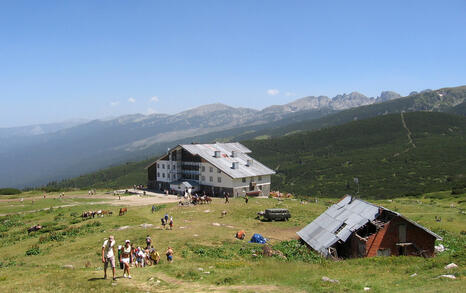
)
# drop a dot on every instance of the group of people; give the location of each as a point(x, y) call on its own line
point(130, 256)
point(167, 220)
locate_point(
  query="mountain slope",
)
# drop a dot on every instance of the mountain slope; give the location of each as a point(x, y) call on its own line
point(324, 162)
point(377, 151)
point(98, 144)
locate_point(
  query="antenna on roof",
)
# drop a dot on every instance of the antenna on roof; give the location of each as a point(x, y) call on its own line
point(356, 181)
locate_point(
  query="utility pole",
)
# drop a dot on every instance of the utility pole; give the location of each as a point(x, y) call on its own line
point(356, 181)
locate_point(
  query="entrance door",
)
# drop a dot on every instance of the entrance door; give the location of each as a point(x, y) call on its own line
point(402, 233)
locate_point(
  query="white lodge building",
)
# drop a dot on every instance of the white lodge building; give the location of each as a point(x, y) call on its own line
point(210, 168)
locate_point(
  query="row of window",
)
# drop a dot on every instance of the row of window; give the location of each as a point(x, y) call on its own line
point(163, 166)
point(168, 175)
point(211, 179)
point(259, 178)
point(211, 169)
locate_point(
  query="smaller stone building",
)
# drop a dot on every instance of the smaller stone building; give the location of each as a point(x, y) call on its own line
point(355, 228)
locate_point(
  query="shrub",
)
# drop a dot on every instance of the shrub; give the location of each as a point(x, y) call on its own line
point(34, 250)
point(295, 251)
point(9, 191)
point(457, 190)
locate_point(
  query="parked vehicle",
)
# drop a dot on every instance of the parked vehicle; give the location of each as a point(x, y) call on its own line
point(275, 214)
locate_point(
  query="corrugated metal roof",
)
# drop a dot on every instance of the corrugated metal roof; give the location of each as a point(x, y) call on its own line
point(321, 233)
point(225, 161)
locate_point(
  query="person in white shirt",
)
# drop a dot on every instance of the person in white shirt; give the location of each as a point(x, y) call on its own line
point(108, 255)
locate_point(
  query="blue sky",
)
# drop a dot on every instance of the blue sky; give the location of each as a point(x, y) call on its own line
point(62, 60)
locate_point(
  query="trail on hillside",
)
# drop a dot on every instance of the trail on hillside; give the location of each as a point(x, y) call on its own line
point(410, 139)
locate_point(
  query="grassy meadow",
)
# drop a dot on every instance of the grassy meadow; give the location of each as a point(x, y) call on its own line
point(207, 256)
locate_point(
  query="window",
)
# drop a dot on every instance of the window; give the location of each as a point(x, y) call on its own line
point(163, 166)
point(219, 171)
point(203, 178)
point(211, 169)
point(174, 167)
point(211, 179)
point(219, 179)
point(259, 178)
point(163, 175)
point(158, 165)
point(244, 180)
point(340, 228)
point(168, 167)
point(203, 168)
point(158, 174)
point(168, 176)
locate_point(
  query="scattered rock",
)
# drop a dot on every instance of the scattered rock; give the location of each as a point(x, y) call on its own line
point(181, 227)
point(151, 278)
point(195, 235)
point(230, 227)
point(123, 227)
point(200, 269)
point(158, 282)
point(68, 267)
point(207, 211)
point(439, 248)
point(216, 224)
point(451, 266)
point(366, 288)
point(413, 275)
point(448, 276)
point(146, 225)
point(206, 272)
point(327, 279)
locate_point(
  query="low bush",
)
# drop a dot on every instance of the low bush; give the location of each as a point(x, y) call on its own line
point(34, 250)
point(295, 251)
point(9, 191)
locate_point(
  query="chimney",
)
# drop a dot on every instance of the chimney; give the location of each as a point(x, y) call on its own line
point(235, 165)
point(250, 162)
point(233, 154)
point(217, 154)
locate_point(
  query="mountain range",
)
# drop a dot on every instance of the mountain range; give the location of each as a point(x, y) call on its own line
point(31, 160)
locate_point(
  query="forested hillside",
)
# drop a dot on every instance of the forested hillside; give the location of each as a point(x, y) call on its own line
point(324, 162)
point(377, 151)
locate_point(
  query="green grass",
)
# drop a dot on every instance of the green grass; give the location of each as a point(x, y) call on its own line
point(68, 240)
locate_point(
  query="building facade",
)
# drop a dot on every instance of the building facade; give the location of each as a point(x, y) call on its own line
point(355, 228)
point(211, 168)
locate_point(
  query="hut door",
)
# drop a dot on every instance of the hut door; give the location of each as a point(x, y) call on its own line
point(402, 233)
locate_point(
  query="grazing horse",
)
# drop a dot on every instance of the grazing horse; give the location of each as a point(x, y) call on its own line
point(123, 211)
point(208, 199)
point(34, 228)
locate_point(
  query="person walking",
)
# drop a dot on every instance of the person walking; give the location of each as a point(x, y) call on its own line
point(163, 223)
point(171, 223)
point(148, 242)
point(126, 259)
point(108, 255)
point(246, 199)
point(169, 254)
point(226, 198)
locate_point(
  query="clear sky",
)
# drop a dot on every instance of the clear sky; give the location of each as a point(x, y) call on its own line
point(62, 60)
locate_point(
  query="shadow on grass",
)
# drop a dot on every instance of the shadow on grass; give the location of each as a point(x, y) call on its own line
point(97, 279)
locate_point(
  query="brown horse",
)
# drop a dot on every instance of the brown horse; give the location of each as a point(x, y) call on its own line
point(123, 211)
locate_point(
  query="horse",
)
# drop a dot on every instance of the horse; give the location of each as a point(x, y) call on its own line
point(34, 228)
point(123, 211)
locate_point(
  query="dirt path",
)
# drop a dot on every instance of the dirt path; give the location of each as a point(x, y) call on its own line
point(410, 139)
point(177, 285)
point(125, 200)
